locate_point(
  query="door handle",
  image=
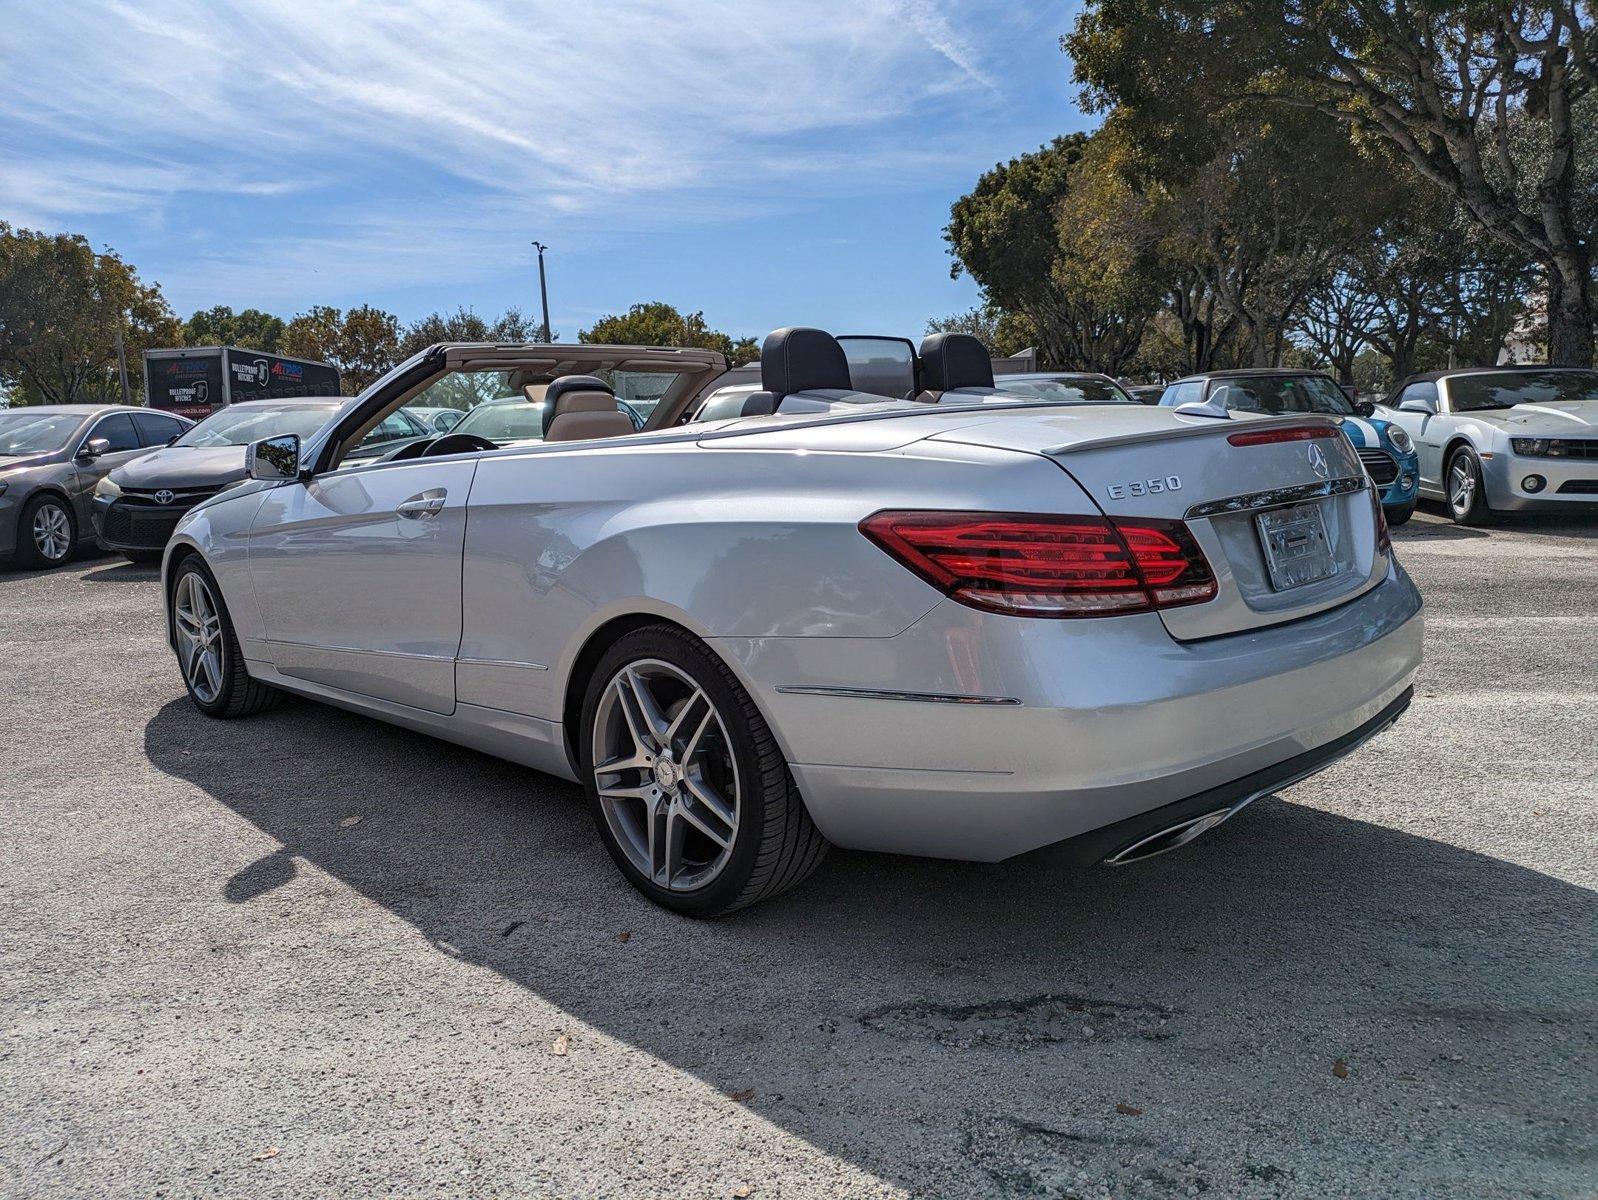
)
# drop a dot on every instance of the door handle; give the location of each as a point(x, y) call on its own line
point(424, 504)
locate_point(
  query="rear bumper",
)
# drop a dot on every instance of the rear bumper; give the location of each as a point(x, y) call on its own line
point(1081, 725)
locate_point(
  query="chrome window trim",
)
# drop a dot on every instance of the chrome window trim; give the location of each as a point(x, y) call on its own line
point(879, 694)
point(1277, 497)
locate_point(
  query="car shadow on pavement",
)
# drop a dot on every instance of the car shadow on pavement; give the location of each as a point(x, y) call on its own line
point(122, 571)
point(954, 1027)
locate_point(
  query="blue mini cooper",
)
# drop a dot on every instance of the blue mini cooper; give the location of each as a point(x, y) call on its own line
point(1384, 448)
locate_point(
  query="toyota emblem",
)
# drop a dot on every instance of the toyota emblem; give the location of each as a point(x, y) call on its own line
point(1317, 460)
point(164, 496)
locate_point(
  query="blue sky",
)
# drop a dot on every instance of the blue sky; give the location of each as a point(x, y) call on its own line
point(769, 164)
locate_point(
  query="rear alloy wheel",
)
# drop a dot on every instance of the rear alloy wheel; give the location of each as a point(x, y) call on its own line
point(208, 650)
point(689, 791)
point(47, 535)
point(1467, 494)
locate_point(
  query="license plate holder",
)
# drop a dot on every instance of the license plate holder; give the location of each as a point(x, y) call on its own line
point(1297, 550)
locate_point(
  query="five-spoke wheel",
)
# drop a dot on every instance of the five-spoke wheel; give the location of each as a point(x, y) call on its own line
point(665, 774)
point(208, 651)
point(1467, 493)
point(690, 793)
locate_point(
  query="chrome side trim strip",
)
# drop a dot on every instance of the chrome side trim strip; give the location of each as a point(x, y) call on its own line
point(1276, 497)
point(877, 694)
point(501, 662)
point(357, 650)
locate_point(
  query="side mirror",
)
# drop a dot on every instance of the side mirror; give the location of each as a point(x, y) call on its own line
point(1364, 408)
point(1419, 405)
point(93, 448)
point(274, 459)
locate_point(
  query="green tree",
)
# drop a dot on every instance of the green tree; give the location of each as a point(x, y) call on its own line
point(1003, 333)
point(1049, 242)
point(62, 307)
point(657, 323)
point(251, 329)
point(464, 325)
point(363, 343)
point(1483, 99)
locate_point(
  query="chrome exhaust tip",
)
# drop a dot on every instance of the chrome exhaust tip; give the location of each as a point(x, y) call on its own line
point(1169, 838)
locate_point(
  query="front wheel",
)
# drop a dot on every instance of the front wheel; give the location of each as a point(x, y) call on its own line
point(213, 666)
point(1467, 493)
point(688, 789)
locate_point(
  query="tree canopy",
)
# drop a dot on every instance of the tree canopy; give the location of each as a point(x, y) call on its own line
point(62, 309)
point(1491, 104)
point(657, 323)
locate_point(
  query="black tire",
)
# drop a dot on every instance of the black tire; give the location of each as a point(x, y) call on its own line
point(1399, 516)
point(776, 845)
point(237, 694)
point(30, 556)
point(142, 557)
point(1470, 509)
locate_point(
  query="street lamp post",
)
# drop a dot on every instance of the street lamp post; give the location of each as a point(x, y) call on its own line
point(543, 291)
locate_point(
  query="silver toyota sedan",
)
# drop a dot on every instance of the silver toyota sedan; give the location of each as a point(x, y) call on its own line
point(967, 626)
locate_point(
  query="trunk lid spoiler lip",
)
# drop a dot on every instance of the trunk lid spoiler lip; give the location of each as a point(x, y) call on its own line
point(1207, 428)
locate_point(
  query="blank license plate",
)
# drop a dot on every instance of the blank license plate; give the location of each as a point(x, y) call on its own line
point(1297, 550)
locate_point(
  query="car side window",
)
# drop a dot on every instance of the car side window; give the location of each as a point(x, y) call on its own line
point(156, 430)
point(118, 430)
point(1191, 392)
point(1419, 391)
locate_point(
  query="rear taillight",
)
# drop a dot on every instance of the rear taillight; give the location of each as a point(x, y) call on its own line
point(1039, 565)
point(1384, 540)
point(1288, 433)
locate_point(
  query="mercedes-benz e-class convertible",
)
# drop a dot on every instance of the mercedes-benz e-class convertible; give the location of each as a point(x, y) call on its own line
point(966, 625)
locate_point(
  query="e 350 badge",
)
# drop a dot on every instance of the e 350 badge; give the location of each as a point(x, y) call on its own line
point(1145, 487)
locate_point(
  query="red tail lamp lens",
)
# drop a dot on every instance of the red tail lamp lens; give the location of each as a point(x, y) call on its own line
point(1042, 565)
point(1290, 433)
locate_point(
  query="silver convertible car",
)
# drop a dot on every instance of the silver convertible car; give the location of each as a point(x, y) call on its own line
point(1503, 439)
point(967, 625)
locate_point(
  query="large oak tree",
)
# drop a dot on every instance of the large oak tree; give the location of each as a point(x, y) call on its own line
point(1490, 102)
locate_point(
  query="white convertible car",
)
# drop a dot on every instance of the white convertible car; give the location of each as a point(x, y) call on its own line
point(967, 624)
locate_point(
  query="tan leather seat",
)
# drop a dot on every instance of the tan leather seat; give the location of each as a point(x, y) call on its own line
point(581, 407)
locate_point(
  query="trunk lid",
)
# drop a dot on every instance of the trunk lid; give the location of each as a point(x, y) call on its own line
point(1288, 526)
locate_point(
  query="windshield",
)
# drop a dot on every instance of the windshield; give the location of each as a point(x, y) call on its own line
point(35, 433)
point(1284, 394)
point(1505, 389)
point(1065, 391)
point(521, 420)
point(241, 424)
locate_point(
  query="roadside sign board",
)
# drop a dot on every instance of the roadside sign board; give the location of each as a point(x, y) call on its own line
point(196, 382)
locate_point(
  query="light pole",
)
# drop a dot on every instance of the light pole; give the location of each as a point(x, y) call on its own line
point(543, 291)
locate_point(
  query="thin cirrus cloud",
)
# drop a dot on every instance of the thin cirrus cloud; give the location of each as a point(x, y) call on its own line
point(347, 128)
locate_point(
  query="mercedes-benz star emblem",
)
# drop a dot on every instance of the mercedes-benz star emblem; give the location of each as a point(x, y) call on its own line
point(164, 496)
point(1317, 460)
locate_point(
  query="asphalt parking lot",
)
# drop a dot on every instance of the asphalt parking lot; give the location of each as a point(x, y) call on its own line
point(310, 954)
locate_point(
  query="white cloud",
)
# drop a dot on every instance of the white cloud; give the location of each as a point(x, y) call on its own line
point(428, 135)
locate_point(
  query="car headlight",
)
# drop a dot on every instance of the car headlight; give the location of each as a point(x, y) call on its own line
point(106, 489)
point(1531, 447)
point(1400, 439)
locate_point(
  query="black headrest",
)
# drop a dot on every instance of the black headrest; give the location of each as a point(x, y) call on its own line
point(567, 384)
point(797, 359)
point(955, 360)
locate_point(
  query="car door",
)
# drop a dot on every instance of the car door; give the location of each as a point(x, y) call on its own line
point(358, 574)
point(117, 429)
point(1425, 430)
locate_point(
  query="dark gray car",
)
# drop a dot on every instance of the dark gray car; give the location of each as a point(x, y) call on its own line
point(51, 457)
